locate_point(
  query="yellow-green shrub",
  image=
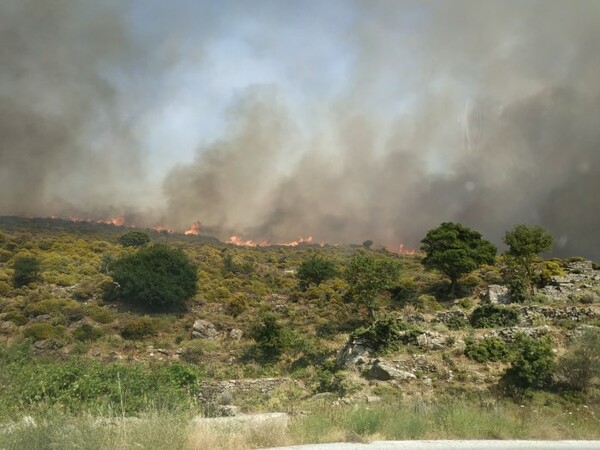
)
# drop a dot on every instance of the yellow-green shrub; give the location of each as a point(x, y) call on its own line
point(42, 331)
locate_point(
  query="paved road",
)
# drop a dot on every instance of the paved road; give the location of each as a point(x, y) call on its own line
point(453, 445)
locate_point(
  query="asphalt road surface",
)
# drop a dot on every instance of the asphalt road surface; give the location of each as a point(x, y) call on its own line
point(452, 445)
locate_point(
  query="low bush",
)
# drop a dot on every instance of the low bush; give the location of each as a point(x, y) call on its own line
point(531, 365)
point(15, 317)
point(139, 328)
point(491, 316)
point(581, 363)
point(588, 298)
point(488, 349)
point(26, 270)
point(87, 333)
point(386, 333)
point(456, 322)
point(428, 303)
point(271, 337)
point(42, 331)
point(98, 313)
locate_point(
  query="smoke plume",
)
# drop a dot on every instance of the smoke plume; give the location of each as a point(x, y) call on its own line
point(359, 120)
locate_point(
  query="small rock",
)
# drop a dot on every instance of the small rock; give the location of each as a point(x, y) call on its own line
point(7, 327)
point(236, 334)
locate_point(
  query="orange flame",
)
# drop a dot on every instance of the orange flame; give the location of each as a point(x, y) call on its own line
point(194, 229)
point(163, 229)
point(118, 221)
point(239, 241)
point(400, 250)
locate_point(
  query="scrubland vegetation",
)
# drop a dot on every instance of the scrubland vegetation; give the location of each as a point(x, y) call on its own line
point(98, 347)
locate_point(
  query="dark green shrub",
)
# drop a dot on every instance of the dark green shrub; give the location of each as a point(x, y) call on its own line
point(581, 363)
point(491, 316)
point(156, 277)
point(314, 271)
point(518, 288)
point(532, 363)
point(134, 239)
point(87, 333)
point(387, 333)
point(456, 322)
point(488, 349)
point(139, 328)
point(26, 270)
point(272, 338)
point(405, 291)
point(42, 331)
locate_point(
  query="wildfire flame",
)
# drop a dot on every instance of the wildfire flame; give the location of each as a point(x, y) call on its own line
point(194, 229)
point(118, 221)
point(160, 229)
point(402, 251)
point(239, 241)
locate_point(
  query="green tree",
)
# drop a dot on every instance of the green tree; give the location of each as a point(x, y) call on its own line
point(315, 270)
point(456, 250)
point(367, 244)
point(525, 243)
point(26, 270)
point(368, 276)
point(156, 277)
point(134, 239)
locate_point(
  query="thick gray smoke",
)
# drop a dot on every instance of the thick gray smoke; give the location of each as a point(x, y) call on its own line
point(68, 145)
point(487, 113)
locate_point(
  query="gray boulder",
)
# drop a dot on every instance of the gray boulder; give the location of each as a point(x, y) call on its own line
point(204, 329)
point(355, 352)
point(383, 371)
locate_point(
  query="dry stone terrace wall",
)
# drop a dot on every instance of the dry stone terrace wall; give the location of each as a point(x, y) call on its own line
point(224, 392)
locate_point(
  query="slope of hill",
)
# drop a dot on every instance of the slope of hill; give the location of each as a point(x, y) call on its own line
point(65, 344)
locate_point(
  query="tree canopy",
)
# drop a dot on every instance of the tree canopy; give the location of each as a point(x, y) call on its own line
point(134, 239)
point(315, 270)
point(368, 276)
point(456, 250)
point(525, 243)
point(156, 277)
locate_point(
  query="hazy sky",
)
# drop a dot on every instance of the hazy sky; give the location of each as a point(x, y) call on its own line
point(345, 120)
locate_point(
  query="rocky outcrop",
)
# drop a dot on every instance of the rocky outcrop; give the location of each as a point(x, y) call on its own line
point(204, 329)
point(355, 353)
point(509, 334)
point(431, 340)
point(531, 313)
point(383, 371)
point(496, 294)
point(225, 392)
